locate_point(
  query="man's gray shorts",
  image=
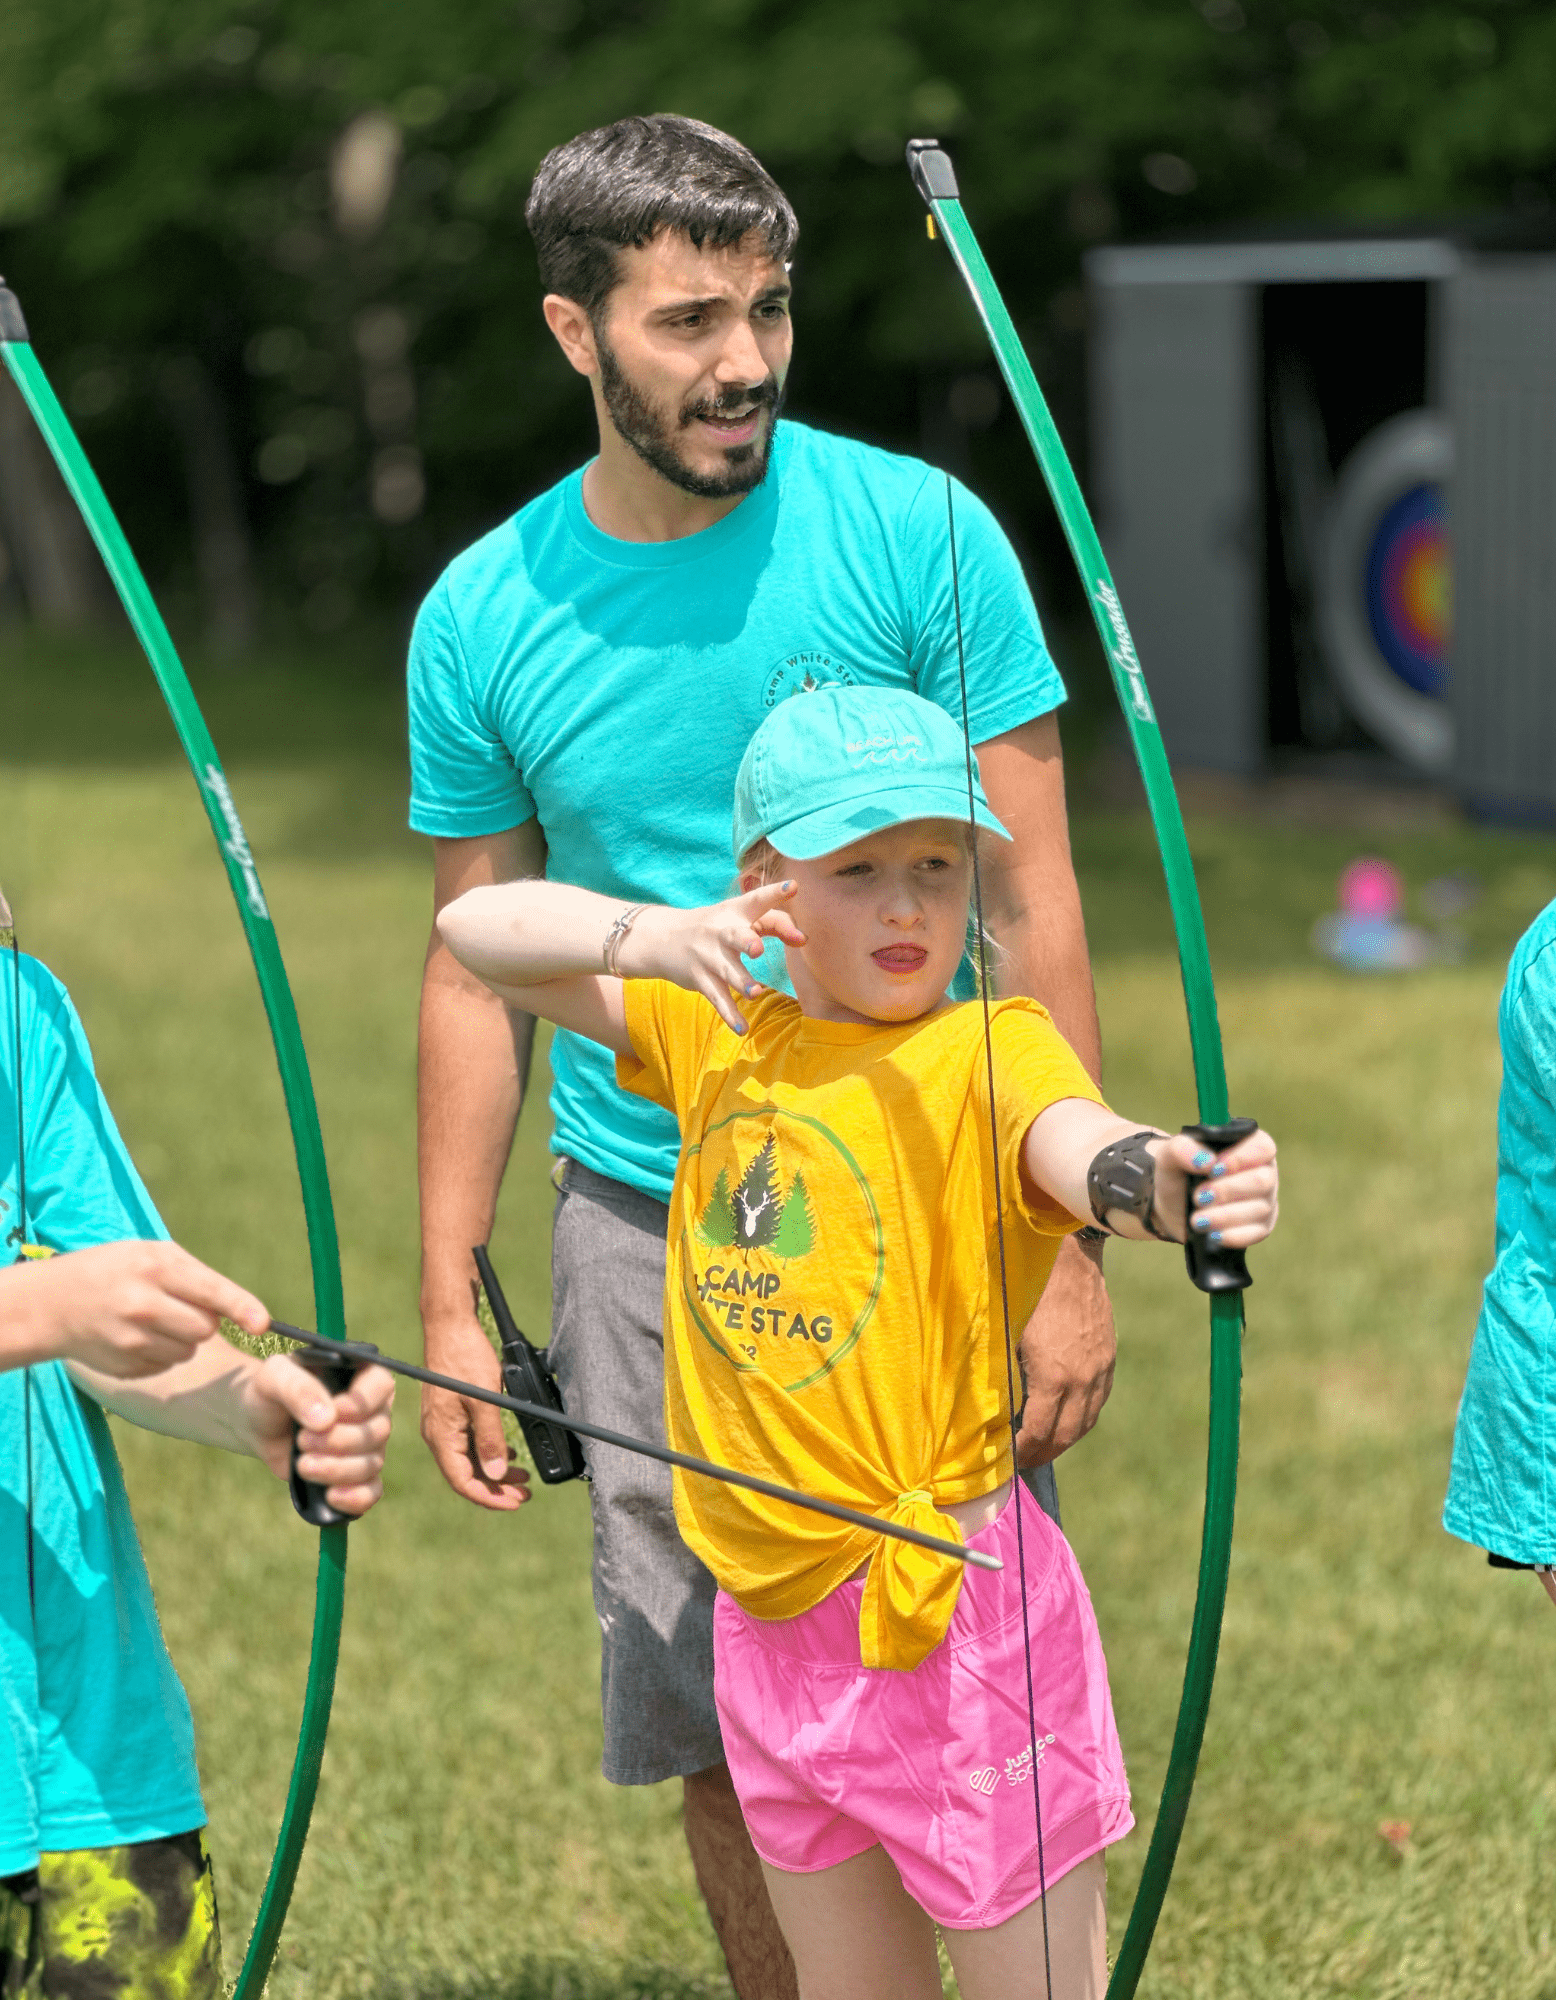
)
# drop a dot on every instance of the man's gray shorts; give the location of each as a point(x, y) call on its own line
point(653, 1597)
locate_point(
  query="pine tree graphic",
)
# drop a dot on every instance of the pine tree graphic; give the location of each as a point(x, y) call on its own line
point(756, 1202)
point(796, 1226)
point(716, 1225)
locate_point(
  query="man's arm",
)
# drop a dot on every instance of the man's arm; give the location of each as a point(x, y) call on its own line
point(1034, 909)
point(473, 1057)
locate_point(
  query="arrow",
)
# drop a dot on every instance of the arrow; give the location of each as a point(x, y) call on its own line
point(350, 1350)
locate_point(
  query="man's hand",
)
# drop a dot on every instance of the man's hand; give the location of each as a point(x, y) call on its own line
point(1067, 1355)
point(465, 1437)
point(126, 1310)
point(472, 1061)
point(340, 1439)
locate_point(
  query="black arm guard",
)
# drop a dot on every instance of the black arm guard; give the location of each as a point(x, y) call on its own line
point(1123, 1176)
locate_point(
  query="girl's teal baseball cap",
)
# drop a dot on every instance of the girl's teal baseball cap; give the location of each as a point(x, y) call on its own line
point(833, 764)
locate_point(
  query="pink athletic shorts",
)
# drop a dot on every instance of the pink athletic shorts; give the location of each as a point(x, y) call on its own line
point(830, 1757)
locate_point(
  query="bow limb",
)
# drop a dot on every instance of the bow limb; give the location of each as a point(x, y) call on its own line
point(935, 179)
point(291, 1059)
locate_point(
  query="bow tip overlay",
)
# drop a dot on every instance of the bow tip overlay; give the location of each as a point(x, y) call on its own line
point(12, 325)
point(933, 174)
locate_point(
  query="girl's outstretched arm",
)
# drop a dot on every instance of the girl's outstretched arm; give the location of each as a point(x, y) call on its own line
point(1236, 1206)
point(562, 952)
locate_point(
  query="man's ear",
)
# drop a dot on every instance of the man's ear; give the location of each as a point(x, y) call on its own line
point(574, 333)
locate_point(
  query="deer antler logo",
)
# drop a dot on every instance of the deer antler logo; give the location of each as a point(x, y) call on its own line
point(758, 1213)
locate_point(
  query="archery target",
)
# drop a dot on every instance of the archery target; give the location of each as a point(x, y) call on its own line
point(1386, 591)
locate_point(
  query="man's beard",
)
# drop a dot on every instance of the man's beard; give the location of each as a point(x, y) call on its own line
point(652, 435)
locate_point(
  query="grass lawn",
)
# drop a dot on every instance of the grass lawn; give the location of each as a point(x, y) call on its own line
point(464, 1843)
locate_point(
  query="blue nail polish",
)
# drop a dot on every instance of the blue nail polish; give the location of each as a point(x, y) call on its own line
point(1215, 1236)
point(1218, 1170)
point(1201, 1221)
point(1203, 1196)
point(1202, 1160)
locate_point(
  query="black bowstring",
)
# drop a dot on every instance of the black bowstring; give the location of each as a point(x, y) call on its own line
point(21, 1245)
point(21, 1137)
point(999, 1226)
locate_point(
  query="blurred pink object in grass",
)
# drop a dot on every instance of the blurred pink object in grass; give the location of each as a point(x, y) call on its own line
point(1396, 1832)
point(1371, 888)
point(1365, 934)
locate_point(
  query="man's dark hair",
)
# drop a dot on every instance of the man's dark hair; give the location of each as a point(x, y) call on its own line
point(625, 182)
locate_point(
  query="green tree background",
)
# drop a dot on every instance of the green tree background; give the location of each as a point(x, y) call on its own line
point(273, 252)
point(716, 1225)
point(796, 1227)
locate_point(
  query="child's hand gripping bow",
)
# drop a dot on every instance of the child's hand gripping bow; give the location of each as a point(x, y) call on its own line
point(338, 1436)
point(1214, 1188)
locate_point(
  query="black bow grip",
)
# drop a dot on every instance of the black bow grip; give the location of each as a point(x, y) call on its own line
point(1213, 1267)
point(337, 1373)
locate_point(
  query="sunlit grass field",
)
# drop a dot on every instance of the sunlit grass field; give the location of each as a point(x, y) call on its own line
point(464, 1843)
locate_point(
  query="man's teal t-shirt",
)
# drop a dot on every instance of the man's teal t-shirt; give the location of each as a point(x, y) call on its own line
point(1502, 1488)
point(611, 687)
point(96, 1741)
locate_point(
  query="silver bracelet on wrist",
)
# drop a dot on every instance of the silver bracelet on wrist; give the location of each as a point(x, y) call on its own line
point(617, 931)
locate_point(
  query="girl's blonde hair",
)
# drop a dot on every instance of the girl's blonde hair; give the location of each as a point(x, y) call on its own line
point(763, 858)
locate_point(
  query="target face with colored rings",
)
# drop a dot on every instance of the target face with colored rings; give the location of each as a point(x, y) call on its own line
point(1385, 587)
point(1409, 589)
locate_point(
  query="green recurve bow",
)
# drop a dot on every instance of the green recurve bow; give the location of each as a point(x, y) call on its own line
point(935, 179)
point(291, 1058)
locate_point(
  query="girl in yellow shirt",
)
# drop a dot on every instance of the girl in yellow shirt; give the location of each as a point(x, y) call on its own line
point(869, 1191)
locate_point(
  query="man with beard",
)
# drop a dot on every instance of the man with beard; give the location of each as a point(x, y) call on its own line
point(583, 683)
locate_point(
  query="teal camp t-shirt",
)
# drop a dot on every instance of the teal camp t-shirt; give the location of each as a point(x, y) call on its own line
point(96, 1741)
point(1502, 1488)
point(611, 687)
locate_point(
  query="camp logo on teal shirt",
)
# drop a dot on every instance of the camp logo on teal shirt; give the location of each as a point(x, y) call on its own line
point(609, 688)
point(803, 673)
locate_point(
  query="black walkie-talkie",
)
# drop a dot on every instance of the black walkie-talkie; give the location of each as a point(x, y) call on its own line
point(525, 1375)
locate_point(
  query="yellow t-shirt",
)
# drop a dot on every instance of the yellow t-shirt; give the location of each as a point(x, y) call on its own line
point(832, 1298)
